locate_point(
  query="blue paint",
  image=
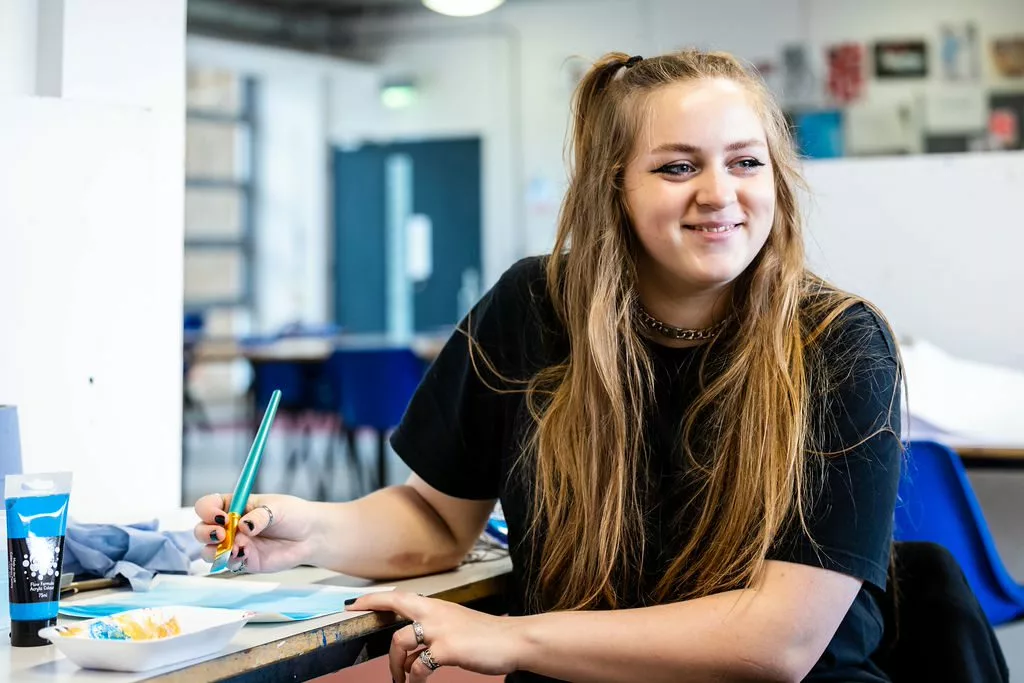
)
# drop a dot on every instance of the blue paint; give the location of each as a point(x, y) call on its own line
point(293, 603)
point(102, 630)
point(37, 519)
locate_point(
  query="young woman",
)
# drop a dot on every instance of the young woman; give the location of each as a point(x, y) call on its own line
point(694, 439)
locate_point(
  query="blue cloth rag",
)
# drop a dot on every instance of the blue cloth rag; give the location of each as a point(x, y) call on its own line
point(135, 551)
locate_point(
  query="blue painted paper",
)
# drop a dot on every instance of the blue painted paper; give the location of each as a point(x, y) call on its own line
point(272, 602)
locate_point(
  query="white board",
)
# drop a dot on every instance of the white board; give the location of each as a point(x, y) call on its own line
point(937, 241)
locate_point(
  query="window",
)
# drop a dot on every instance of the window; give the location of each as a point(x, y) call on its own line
point(219, 200)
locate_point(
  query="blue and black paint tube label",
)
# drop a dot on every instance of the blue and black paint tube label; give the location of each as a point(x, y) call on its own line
point(36, 525)
point(34, 566)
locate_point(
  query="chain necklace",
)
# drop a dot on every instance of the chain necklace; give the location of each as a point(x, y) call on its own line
point(679, 333)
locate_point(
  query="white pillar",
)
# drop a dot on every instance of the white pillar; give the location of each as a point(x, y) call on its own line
point(17, 47)
point(91, 195)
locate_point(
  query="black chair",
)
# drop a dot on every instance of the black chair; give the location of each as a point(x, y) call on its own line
point(935, 627)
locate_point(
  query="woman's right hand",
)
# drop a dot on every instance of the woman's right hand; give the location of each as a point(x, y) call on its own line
point(262, 545)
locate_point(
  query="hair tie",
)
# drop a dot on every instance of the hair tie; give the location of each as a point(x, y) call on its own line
point(632, 60)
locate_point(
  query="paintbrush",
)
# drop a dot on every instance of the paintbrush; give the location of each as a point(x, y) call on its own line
point(244, 486)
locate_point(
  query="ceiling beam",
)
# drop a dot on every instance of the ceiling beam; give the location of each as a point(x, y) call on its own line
point(316, 26)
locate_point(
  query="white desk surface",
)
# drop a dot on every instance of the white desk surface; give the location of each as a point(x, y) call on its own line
point(259, 645)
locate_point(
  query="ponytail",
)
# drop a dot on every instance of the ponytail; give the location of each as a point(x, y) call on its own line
point(588, 99)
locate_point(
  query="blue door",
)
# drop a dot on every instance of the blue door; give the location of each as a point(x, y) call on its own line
point(443, 178)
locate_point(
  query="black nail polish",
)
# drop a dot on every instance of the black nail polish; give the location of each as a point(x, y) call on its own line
point(219, 519)
point(241, 552)
point(250, 525)
point(350, 601)
point(213, 535)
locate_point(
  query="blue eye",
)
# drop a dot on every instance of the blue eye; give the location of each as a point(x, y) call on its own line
point(676, 169)
point(750, 163)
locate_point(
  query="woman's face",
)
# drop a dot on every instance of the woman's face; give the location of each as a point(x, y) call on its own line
point(699, 188)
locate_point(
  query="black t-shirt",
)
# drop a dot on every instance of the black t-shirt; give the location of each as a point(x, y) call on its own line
point(463, 437)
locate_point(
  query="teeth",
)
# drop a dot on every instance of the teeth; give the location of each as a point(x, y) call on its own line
point(713, 228)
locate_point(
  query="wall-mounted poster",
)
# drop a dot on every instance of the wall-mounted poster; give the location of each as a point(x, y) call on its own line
point(1004, 128)
point(951, 110)
point(1005, 119)
point(845, 72)
point(960, 53)
point(901, 59)
point(797, 74)
point(1008, 55)
point(819, 134)
point(770, 72)
point(947, 144)
point(883, 126)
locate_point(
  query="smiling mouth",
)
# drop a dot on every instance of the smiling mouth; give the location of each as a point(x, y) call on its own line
point(720, 228)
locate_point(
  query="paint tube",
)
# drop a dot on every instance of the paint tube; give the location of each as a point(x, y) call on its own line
point(37, 518)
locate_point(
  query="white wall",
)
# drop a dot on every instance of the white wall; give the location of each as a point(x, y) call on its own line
point(292, 221)
point(91, 193)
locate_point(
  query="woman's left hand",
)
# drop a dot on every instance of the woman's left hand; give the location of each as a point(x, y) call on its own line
point(452, 635)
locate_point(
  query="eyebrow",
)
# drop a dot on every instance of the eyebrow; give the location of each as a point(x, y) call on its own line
point(692, 149)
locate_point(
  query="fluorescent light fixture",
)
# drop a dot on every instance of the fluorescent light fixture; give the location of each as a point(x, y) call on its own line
point(462, 8)
point(398, 95)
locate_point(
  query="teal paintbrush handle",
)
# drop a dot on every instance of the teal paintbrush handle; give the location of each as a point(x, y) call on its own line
point(252, 463)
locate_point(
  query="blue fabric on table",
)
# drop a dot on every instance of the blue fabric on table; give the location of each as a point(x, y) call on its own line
point(135, 551)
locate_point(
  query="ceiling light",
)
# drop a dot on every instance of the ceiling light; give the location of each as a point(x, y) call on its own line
point(462, 8)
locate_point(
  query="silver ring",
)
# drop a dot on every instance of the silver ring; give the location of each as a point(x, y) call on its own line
point(417, 628)
point(428, 660)
point(270, 513)
point(240, 568)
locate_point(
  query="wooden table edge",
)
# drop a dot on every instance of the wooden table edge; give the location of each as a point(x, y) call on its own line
point(251, 660)
point(998, 452)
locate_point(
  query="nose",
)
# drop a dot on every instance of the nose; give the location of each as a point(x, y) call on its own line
point(716, 189)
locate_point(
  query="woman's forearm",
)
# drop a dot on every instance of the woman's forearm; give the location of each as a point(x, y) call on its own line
point(734, 636)
point(392, 533)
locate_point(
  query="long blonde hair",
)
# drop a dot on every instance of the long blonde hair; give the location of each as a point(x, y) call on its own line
point(587, 442)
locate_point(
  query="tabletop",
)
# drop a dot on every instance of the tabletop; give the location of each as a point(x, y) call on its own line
point(294, 651)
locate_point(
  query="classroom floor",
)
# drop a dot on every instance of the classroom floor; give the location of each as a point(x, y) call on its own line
point(214, 457)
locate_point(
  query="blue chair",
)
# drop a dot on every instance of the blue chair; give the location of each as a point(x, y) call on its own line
point(302, 396)
point(194, 321)
point(937, 504)
point(192, 331)
point(302, 403)
point(373, 387)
